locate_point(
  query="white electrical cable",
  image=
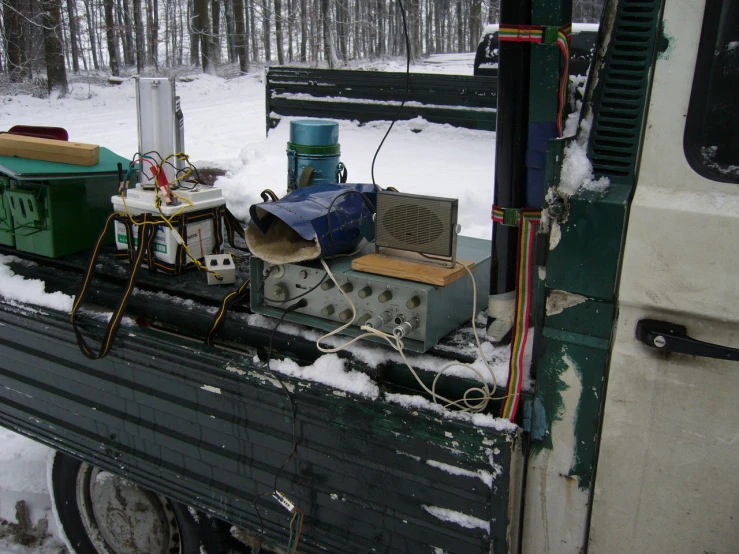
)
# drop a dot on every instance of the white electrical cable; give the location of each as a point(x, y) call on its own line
point(338, 329)
point(465, 404)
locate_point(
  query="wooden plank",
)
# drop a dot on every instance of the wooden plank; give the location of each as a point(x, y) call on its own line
point(410, 270)
point(49, 150)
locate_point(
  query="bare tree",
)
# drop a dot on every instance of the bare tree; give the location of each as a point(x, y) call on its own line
point(241, 38)
point(290, 28)
point(230, 31)
point(111, 39)
point(328, 44)
point(201, 26)
point(139, 36)
point(152, 32)
point(308, 30)
point(303, 30)
point(194, 39)
point(493, 11)
point(342, 16)
point(252, 26)
point(73, 46)
point(278, 32)
point(16, 55)
point(56, 73)
point(266, 31)
point(475, 23)
point(215, 33)
point(381, 28)
point(126, 32)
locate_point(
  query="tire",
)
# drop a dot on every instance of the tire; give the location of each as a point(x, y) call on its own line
point(102, 513)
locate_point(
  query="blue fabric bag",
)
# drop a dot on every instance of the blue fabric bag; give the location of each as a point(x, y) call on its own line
point(316, 221)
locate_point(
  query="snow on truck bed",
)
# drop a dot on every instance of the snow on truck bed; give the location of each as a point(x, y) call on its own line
point(225, 127)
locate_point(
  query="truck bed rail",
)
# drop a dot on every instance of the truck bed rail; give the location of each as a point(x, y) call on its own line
point(210, 427)
point(459, 100)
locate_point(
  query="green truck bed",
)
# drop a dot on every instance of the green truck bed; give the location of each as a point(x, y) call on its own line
point(210, 427)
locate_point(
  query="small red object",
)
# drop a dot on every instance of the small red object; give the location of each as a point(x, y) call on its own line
point(56, 133)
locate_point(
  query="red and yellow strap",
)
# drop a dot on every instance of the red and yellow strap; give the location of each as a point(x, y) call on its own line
point(541, 34)
point(526, 219)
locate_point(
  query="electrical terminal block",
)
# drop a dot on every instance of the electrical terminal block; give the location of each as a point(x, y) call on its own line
point(224, 266)
point(284, 501)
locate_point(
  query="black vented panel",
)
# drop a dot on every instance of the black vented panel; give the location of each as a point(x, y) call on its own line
point(620, 97)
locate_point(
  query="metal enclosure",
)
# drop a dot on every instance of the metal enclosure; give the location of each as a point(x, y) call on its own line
point(439, 310)
point(53, 209)
point(160, 121)
point(416, 223)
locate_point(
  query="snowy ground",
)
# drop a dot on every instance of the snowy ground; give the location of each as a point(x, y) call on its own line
point(225, 126)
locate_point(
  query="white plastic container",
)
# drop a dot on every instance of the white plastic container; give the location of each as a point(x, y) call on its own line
point(200, 237)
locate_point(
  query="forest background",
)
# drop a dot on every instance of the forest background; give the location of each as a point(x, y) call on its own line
point(45, 40)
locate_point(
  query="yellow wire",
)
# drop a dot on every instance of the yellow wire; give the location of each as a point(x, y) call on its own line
point(167, 220)
point(179, 156)
point(223, 308)
point(292, 521)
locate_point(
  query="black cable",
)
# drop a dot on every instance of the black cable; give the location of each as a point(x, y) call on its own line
point(331, 205)
point(300, 304)
point(407, 86)
point(314, 287)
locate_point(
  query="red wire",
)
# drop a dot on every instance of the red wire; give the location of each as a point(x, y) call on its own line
point(563, 87)
point(300, 531)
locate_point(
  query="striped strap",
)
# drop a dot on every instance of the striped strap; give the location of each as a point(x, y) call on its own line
point(513, 217)
point(527, 219)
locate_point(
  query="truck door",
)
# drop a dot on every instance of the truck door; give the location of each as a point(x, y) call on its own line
point(667, 476)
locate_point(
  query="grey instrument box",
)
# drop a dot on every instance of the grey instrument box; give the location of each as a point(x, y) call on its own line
point(439, 310)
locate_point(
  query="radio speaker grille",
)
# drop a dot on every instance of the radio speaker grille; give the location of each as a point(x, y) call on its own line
point(416, 223)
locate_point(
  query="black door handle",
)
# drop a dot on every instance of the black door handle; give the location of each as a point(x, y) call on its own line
point(671, 337)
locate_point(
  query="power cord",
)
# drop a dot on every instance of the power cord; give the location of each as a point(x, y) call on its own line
point(407, 86)
point(468, 403)
point(367, 201)
point(274, 492)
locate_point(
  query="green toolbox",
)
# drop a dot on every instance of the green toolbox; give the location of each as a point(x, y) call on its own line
point(6, 219)
point(53, 209)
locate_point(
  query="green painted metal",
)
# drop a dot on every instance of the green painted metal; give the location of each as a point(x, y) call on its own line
point(369, 473)
point(588, 255)
point(22, 168)
point(58, 208)
point(546, 60)
point(562, 351)
point(585, 261)
point(6, 216)
point(330, 150)
point(620, 97)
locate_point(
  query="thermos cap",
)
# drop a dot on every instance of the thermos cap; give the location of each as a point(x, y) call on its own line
point(314, 132)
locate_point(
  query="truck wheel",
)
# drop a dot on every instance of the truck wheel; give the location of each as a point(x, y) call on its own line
point(103, 513)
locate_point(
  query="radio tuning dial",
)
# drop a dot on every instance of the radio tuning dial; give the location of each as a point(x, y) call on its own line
point(327, 285)
point(365, 292)
point(385, 296)
point(327, 311)
point(347, 287)
point(346, 315)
